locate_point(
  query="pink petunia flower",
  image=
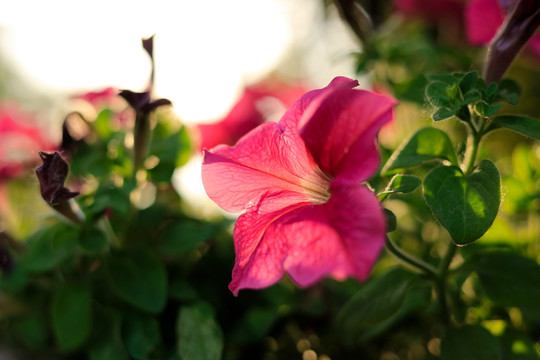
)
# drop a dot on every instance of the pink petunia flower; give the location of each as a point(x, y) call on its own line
point(483, 18)
point(257, 104)
point(20, 140)
point(299, 182)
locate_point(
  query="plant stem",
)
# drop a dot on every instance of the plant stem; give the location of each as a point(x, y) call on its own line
point(409, 259)
point(440, 285)
point(474, 143)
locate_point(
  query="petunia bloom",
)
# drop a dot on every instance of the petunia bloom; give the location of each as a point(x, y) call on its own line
point(257, 103)
point(20, 138)
point(299, 182)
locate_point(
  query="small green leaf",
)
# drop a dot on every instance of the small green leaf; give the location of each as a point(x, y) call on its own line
point(184, 236)
point(106, 340)
point(141, 334)
point(102, 125)
point(444, 113)
point(522, 124)
point(391, 221)
point(437, 94)
point(376, 301)
point(465, 205)
point(447, 79)
point(140, 279)
point(50, 247)
point(199, 335)
point(71, 315)
point(426, 144)
point(468, 82)
point(509, 91)
point(92, 240)
point(507, 278)
point(400, 184)
point(470, 342)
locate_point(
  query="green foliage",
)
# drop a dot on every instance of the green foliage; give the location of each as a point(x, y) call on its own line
point(507, 278)
point(470, 342)
point(380, 303)
point(199, 336)
point(465, 205)
point(139, 279)
point(426, 144)
point(71, 315)
point(400, 184)
point(522, 124)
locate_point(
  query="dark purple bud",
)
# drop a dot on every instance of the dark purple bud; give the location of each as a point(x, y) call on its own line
point(518, 27)
point(148, 45)
point(135, 99)
point(52, 175)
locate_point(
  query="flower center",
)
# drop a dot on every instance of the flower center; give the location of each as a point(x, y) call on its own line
point(317, 187)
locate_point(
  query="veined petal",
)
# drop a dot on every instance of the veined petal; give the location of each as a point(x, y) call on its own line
point(340, 130)
point(269, 158)
point(341, 238)
point(293, 115)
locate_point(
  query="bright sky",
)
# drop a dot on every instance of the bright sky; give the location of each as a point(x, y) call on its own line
point(204, 50)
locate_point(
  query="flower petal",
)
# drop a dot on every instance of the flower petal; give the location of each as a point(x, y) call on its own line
point(293, 115)
point(340, 130)
point(340, 238)
point(268, 158)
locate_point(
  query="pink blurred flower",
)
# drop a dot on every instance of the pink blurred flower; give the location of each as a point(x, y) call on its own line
point(431, 10)
point(258, 103)
point(483, 18)
point(299, 181)
point(101, 98)
point(20, 140)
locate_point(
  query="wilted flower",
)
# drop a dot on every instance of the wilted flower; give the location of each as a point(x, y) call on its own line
point(52, 175)
point(299, 181)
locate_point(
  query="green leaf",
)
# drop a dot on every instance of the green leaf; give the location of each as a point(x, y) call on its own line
point(199, 335)
point(31, 330)
point(377, 301)
point(140, 279)
point(509, 91)
point(437, 94)
point(102, 125)
point(71, 315)
point(444, 113)
point(400, 184)
point(106, 340)
point(426, 144)
point(447, 79)
point(50, 247)
point(468, 82)
point(92, 240)
point(522, 124)
point(141, 334)
point(391, 221)
point(114, 199)
point(184, 236)
point(470, 342)
point(465, 205)
point(507, 278)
